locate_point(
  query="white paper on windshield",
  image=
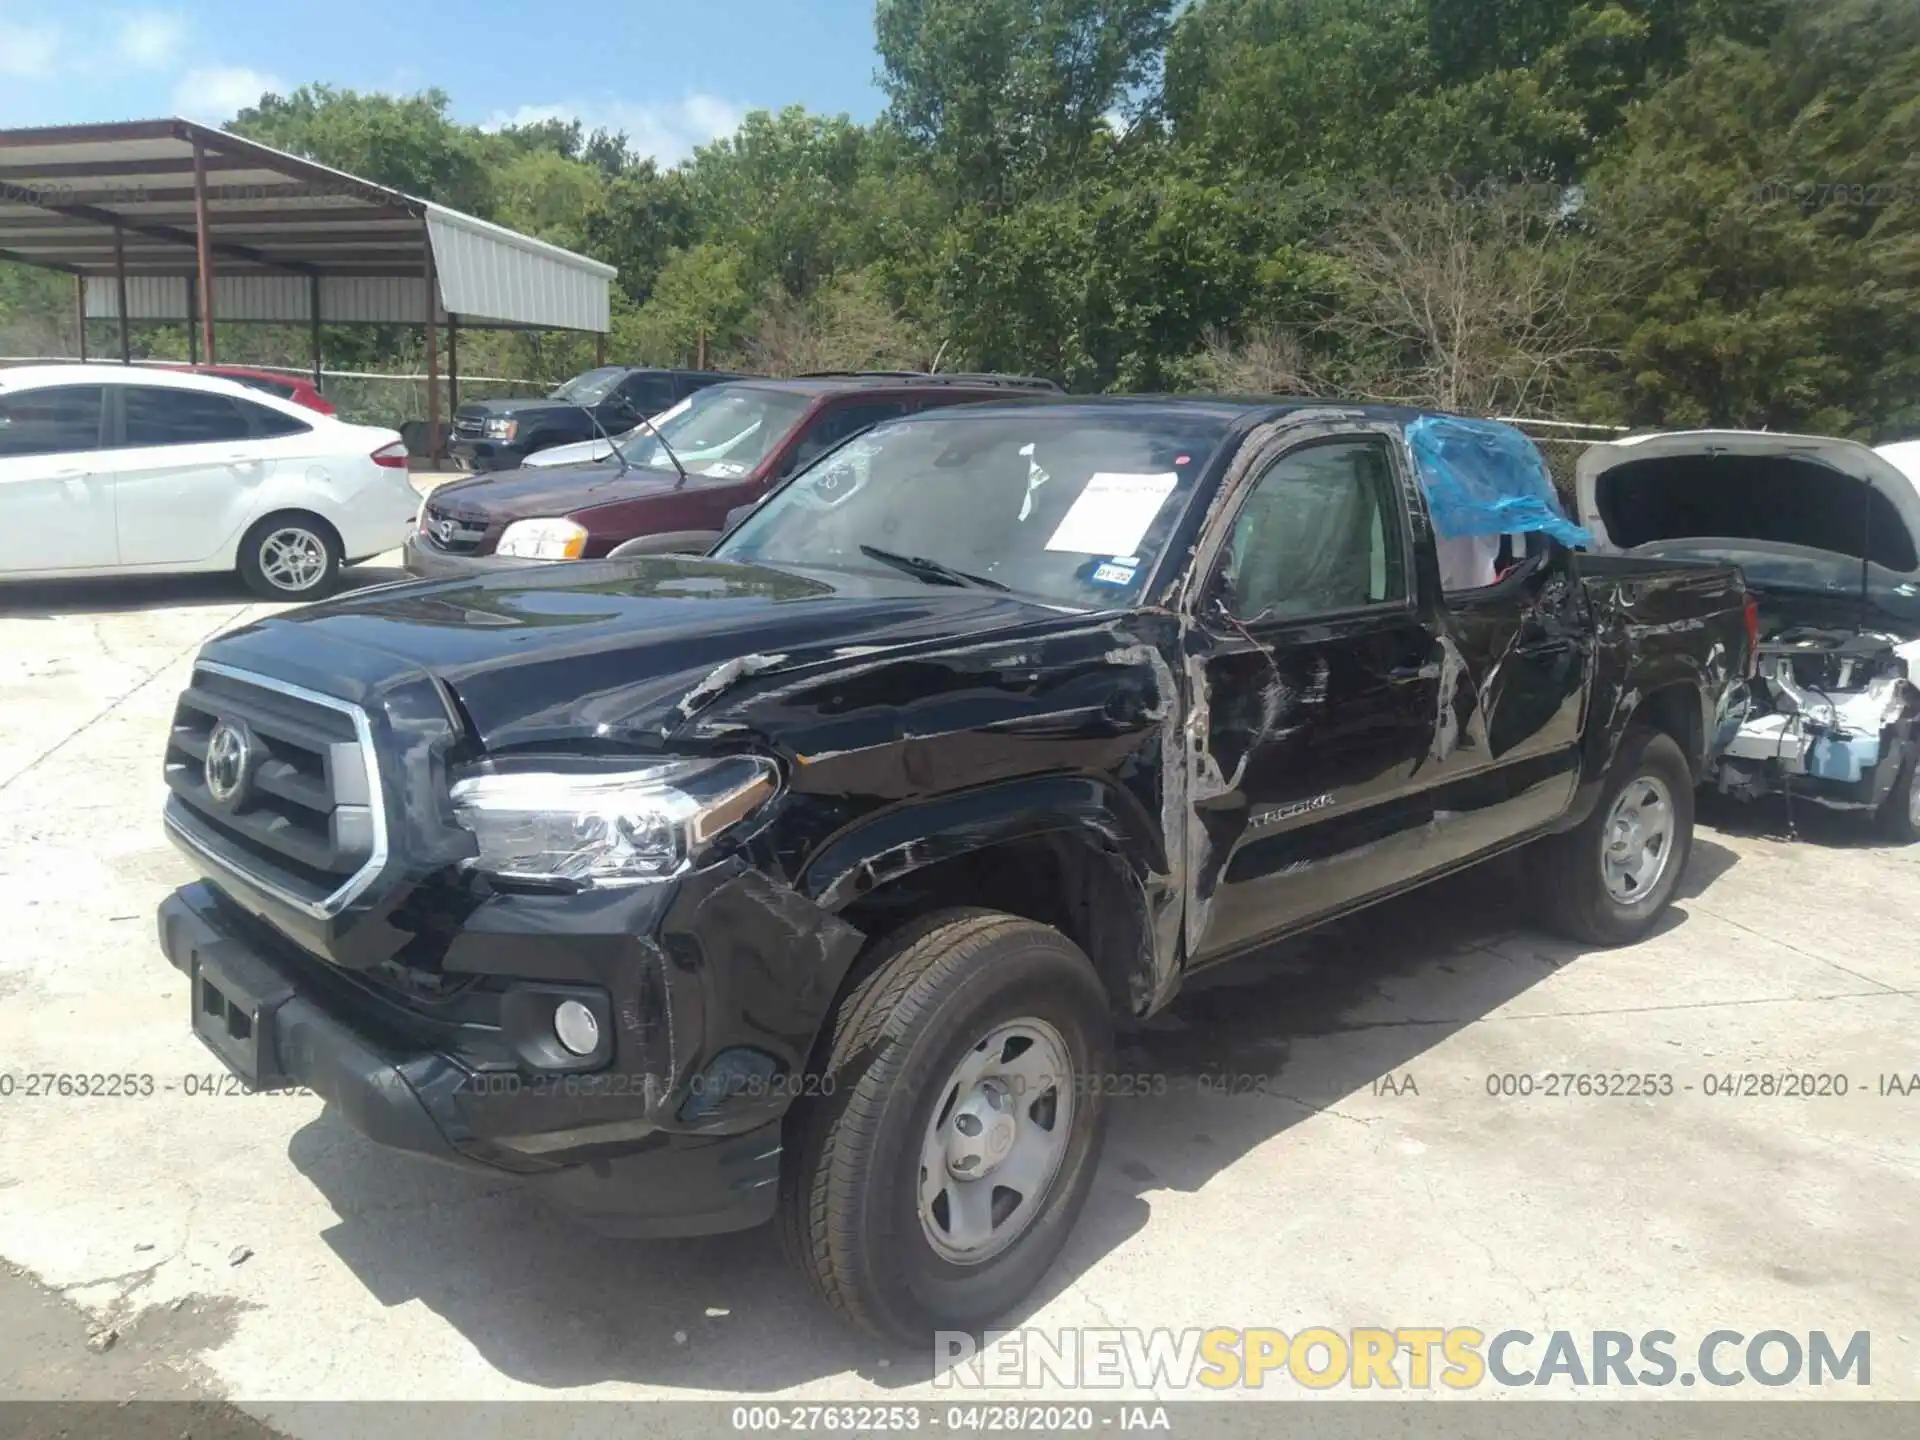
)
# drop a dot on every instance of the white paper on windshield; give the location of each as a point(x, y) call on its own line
point(1113, 514)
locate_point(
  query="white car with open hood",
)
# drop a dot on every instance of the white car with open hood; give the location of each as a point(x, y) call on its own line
point(1828, 534)
point(114, 470)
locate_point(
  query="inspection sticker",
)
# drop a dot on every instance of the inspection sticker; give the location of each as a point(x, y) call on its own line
point(1115, 572)
point(1113, 514)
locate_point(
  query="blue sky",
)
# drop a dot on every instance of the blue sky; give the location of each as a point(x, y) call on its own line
point(672, 75)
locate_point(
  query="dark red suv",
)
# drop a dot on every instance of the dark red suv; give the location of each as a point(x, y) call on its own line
point(717, 450)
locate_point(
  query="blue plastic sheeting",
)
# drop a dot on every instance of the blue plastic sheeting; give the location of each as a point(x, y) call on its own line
point(1485, 478)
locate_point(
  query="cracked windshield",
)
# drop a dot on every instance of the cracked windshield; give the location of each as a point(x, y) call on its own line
point(1070, 510)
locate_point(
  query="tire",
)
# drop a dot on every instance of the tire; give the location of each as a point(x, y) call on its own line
point(293, 546)
point(1900, 811)
point(852, 1214)
point(1577, 892)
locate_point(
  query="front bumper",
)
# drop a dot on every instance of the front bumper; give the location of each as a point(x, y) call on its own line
point(427, 563)
point(628, 1153)
point(1851, 773)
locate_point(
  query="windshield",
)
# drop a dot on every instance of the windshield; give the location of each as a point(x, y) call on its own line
point(722, 432)
point(590, 388)
point(1070, 508)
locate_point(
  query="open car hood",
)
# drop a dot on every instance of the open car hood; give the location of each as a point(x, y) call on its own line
point(1808, 509)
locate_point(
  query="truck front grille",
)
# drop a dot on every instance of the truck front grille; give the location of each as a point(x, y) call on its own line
point(278, 785)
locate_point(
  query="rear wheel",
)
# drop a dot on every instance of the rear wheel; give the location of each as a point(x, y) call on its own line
point(291, 556)
point(937, 1178)
point(1608, 880)
point(1900, 811)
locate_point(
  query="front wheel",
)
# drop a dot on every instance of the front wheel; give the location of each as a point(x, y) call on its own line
point(1900, 812)
point(1608, 880)
point(937, 1176)
point(291, 557)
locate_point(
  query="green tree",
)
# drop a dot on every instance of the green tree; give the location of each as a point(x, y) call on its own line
point(702, 294)
point(406, 143)
point(1773, 197)
point(544, 194)
point(782, 190)
point(1006, 92)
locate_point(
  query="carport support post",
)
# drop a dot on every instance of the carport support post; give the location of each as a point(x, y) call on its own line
point(313, 321)
point(120, 293)
point(599, 349)
point(80, 314)
point(204, 246)
point(193, 322)
point(453, 364)
point(433, 359)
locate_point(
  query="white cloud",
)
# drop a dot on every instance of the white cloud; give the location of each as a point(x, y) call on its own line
point(28, 51)
point(668, 131)
point(218, 93)
point(149, 39)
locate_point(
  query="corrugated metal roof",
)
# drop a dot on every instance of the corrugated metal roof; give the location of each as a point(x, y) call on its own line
point(86, 199)
point(344, 299)
point(510, 278)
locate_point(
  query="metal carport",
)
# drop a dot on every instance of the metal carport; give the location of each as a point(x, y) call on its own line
point(172, 221)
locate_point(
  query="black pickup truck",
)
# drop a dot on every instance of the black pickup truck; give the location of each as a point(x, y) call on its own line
point(500, 434)
point(810, 878)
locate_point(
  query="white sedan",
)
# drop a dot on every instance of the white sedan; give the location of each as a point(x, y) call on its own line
point(117, 470)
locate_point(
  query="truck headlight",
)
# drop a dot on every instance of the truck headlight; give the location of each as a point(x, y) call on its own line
point(607, 827)
point(502, 429)
point(543, 540)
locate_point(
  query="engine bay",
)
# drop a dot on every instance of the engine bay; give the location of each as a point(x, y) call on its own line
point(1830, 716)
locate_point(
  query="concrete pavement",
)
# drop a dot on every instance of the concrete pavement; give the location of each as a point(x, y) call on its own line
point(1303, 1191)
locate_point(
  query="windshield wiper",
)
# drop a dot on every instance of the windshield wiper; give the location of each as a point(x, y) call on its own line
point(922, 568)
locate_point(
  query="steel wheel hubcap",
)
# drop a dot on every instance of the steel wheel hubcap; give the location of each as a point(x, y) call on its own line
point(1638, 840)
point(292, 558)
point(1913, 798)
point(994, 1146)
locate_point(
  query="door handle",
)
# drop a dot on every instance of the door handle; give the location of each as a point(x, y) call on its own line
point(1407, 674)
point(1542, 649)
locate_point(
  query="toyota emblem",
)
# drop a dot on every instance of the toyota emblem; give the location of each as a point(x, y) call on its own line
point(444, 530)
point(229, 756)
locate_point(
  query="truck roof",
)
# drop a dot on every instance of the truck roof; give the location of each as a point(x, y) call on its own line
point(833, 384)
point(1249, 408)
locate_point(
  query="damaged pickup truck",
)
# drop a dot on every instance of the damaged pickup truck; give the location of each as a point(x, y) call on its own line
point(1825, 532)
point(809, 879)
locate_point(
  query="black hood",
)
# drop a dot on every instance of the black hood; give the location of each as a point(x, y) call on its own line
point(621, 650)
point(545, 490)
point(525, 405)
